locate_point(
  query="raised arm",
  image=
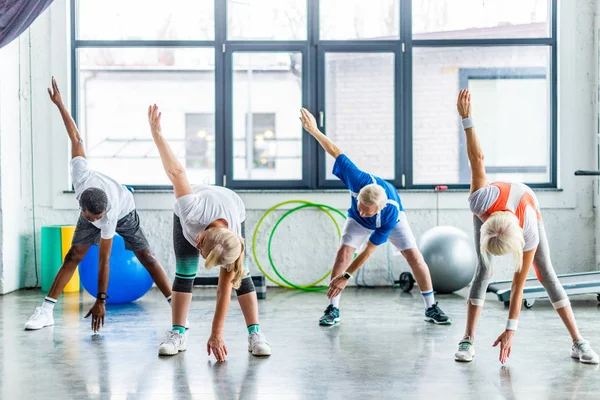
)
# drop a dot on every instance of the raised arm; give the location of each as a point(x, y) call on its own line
point(175, 171)
point(310, 125)
point(77, 149)
point(474, 152)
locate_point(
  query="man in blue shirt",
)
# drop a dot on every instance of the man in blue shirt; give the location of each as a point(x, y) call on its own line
point(375, 213)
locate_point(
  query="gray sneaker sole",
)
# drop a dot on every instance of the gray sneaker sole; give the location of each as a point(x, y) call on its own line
point(433, 321)
point(326, 323)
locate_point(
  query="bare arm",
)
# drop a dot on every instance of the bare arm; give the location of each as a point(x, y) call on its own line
point(216, 343)
point(77, 149)
point(518, 284)
point(175, 171)
point(516, 296)
point(338, 283)
point(361, 258)
point(98, 310)
point(310, 125)
point(474, 152)
point(223, 299)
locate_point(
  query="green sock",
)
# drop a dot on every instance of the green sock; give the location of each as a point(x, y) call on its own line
point(179, 328)
point(253, 328)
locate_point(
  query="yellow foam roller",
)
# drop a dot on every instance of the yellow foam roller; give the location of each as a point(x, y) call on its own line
point(66, 237)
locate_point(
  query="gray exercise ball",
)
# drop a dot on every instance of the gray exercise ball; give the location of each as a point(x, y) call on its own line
point(450, 255)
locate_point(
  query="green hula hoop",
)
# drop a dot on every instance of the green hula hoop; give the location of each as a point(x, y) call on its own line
point(306, 288)
point(255, 235)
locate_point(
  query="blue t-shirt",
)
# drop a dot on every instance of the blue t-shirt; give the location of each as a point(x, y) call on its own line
point(355, 179)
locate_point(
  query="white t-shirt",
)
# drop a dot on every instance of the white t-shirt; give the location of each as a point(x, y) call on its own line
point(206, 205)
point(484, 198)
point(120, 200)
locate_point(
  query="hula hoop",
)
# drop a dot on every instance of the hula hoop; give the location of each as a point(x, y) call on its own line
point(306, 288)
point(255, 235)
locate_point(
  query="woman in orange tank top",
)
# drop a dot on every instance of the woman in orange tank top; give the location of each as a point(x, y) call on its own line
point(507, 220)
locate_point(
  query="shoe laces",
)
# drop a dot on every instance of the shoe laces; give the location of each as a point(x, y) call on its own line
point(330, 310)
point(435, 310)
point(257, 337)
point(585, 347)
point(172, 337)
point(36, 313)
point(465, 343)
point(464, 346)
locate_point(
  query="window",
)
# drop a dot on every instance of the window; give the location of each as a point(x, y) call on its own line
point(265, 142)
point(380, 77)
point(267, 97)
point(511, 104)
point(115, 88)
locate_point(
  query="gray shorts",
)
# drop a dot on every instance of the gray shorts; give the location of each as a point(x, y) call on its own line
point(86, 234)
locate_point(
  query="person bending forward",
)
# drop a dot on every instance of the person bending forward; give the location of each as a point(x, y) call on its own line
point(106, 207)
point(376, 214)
point(507, 220)
point(208, 222)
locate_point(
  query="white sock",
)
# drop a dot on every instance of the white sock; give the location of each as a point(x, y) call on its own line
point(428, 298)
point(335, 301)
point(49, 304)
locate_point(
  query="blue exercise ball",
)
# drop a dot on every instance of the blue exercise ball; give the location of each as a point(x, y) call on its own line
point(128, 280)
point(450, 255)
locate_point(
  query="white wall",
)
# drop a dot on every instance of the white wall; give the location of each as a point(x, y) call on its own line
point(15, 165)
point(304, 246)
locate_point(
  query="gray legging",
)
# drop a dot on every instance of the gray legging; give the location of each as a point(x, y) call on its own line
point(541, 263)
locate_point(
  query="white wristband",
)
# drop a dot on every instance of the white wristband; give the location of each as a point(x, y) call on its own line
point(467, 123)
point(511, 324)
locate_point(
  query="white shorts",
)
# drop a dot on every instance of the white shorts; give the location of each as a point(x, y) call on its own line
point(355, 235)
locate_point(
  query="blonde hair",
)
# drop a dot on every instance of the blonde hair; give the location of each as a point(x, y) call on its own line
point(226, 248)
point(500, 235)
point(373, 194)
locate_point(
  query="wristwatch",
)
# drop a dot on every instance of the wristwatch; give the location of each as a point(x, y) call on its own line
point(102, 296)
point(347, 275)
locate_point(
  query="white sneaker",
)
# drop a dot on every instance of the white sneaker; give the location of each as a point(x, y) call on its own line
point(257, 344)
point(41, 318)
point(466, 350)
point(583, 352)
point(174, 343)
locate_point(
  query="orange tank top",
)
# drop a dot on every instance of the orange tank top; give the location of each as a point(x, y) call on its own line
point(514, 198)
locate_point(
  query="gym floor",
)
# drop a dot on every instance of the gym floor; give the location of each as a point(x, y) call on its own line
point(381, 349)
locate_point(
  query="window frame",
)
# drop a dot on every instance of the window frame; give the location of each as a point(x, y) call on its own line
point(313, 52)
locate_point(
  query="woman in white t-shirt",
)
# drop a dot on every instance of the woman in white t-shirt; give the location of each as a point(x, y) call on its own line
point(208, 222)
point(507, 220)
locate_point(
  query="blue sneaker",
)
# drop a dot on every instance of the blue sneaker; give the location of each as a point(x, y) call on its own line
point(435, 315)
point(331, 316)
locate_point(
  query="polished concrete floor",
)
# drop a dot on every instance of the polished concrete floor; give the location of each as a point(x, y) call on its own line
point(381, 350)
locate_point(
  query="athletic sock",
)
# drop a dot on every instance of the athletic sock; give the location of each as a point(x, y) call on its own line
point(179, 328)
point(253, 328)
point(49, 303)
point(335, 301)
point(428, 298)
point(169, 299)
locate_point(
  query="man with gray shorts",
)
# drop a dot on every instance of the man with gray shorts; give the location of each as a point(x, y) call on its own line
point(107, 207)
point(375, 216)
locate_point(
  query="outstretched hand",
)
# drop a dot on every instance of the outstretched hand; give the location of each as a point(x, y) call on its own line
point(55, 93)
point(336, 286)
point(154, 119)
point(463, 104)
point(98, 311)
point(505, 340)
point(309, 123)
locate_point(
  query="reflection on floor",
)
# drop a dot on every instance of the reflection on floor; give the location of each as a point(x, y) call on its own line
point(382, 349)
